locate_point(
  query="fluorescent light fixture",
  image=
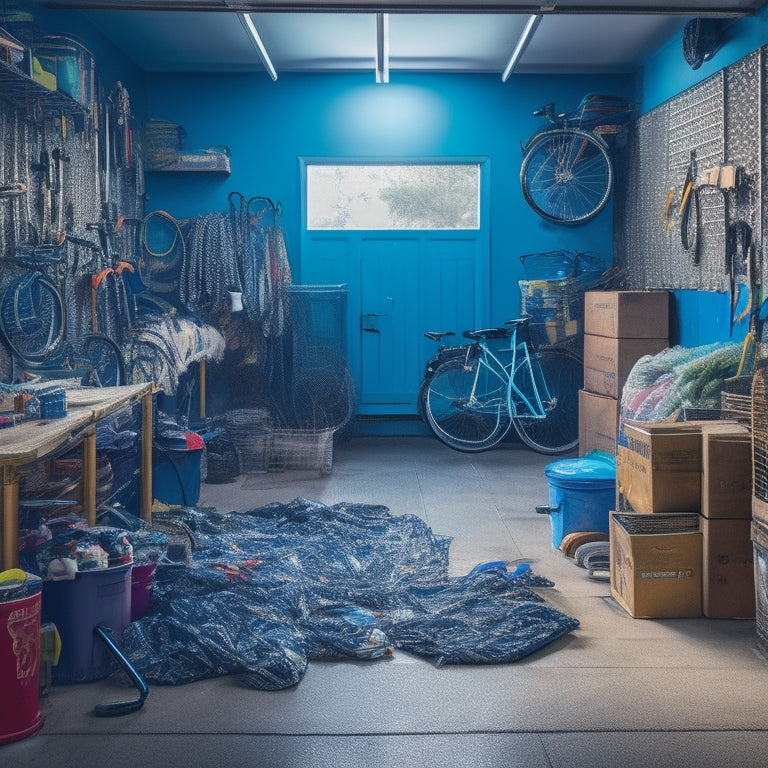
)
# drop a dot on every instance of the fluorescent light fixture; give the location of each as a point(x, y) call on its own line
point(522, 44)
point(256, 39)
point(382, 47)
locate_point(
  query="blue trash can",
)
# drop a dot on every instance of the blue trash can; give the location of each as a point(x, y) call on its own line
point(176, 467)
point(582, 493)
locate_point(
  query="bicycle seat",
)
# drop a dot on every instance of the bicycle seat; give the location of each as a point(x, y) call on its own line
point(488, 333)
point(438, 335)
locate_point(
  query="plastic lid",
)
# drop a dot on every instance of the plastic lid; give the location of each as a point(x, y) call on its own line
point(596, 465)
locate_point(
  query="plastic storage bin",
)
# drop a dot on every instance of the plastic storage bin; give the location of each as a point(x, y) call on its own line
point(176, 467)
point(77, 607)
point(142, 579)
point(19, 668)
point(582, 493)
point(176, 477)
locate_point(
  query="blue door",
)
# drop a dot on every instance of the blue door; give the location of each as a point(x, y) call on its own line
point(400, 283)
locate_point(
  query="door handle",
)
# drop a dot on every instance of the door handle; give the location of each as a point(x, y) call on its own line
point(368, 321)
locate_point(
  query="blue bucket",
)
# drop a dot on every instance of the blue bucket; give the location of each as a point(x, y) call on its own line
point(582, 493)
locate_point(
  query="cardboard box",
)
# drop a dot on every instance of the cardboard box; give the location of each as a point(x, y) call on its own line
point(608, 361)
point(760, 512)
point(627, 314)
point(656, 565)
point(598, 423)
point(728, 578)
point(659, 468)
point(726, 482)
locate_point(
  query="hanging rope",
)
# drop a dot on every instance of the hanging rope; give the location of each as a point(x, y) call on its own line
point(210, 269)
point(162, 252)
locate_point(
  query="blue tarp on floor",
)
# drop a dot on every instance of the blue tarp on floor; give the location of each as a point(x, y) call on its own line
point(273, 588)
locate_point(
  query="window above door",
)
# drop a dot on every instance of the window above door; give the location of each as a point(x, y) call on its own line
point(393, 196)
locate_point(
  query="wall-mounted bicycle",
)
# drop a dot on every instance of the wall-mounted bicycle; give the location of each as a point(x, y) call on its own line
point(567, 174)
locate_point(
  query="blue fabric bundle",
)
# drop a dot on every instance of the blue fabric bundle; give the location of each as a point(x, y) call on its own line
point(287, 583)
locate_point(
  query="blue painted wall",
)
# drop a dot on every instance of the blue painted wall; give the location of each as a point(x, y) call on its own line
point(699, 317)
point(267, 126)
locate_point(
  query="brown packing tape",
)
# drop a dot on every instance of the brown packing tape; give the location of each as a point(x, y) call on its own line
point(728, 177)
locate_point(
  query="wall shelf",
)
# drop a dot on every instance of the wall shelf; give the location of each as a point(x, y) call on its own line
point(23, 91)
point(214, 171)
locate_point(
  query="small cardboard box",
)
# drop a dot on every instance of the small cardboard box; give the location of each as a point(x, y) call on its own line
point(760, 512)
point(598, 423)
point(659, 468)
point(627, 314)
point(608, 361)
point(728, 579)
point(656, 565)
point(726, 482)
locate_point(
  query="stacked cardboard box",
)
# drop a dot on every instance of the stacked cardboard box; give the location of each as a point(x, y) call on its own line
point(669, 470)
point(725, 522)
point(620, 327)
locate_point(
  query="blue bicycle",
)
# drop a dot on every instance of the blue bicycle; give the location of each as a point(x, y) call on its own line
point(499, 381)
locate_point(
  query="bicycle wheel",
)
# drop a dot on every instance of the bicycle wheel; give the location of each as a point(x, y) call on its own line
point(104, 360)
point(466, 406)
point(558, 432)
point(566, 175)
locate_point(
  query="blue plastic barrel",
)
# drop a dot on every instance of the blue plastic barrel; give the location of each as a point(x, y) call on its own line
point(582, 493)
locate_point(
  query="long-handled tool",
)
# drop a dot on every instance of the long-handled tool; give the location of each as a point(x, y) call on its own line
point(115, 708)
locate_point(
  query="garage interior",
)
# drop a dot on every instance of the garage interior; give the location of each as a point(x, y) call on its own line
point(130, 197)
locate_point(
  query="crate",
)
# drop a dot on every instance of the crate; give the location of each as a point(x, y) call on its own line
point(556, 309)
point(66, 65)
point(300, 449)
point(286, 449)
point(736, 398)
point(759, 408)
point(761, 592)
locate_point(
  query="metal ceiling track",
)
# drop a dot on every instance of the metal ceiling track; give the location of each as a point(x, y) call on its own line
point(723, 9)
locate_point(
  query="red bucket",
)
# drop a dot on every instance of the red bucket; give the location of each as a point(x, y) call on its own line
point(19, 668)
point(142, 579)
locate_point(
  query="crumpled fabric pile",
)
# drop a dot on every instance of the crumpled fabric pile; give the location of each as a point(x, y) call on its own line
point(272, 589)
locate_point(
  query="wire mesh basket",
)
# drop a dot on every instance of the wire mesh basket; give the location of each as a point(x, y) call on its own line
point(300, 449)
point(736, 398)
point(556, 309)
point(760, 434)
point(260, 447)
point(760, 547)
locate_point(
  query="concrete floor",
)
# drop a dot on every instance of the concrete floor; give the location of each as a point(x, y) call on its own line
point(616, 693)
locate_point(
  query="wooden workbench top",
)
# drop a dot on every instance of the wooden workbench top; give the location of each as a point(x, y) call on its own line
point(33, 439)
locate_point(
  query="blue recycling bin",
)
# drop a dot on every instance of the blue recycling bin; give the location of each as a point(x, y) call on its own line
point(582, 493)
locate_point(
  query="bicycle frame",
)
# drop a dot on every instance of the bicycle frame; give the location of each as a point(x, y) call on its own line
point(534, 406)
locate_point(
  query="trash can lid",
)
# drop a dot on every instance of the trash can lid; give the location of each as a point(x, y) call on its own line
point(596, 465)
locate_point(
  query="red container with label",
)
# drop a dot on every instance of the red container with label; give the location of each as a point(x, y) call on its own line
point(20, 668)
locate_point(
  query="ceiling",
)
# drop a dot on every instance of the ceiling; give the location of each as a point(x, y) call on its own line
point(425, 35)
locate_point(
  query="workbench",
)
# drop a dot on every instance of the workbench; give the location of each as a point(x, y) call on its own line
point(36, 439)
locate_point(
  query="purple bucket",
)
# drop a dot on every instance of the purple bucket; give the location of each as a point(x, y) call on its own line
point(141, 589)
point(93, 598)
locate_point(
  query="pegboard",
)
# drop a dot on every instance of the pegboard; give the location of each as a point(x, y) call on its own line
point(714, 123)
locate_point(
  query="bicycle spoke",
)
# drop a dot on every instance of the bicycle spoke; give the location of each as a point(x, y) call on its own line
point(558, 431)
point(566, 175)
point(466, 406)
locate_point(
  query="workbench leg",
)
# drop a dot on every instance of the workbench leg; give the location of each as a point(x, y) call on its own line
point(10, 518)
point(89, 479)
point(202, 388)
point(147, 426)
